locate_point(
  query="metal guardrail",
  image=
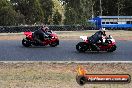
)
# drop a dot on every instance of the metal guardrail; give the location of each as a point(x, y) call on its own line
point(16, 29)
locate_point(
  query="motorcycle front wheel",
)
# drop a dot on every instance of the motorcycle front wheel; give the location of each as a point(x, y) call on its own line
point(55, 43)
point(113, 48)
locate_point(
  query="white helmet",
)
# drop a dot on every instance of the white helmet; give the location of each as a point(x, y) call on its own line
point(102, 29)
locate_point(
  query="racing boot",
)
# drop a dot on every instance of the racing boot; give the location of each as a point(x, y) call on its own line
point(96, 47)
point(41, 43)
point(46, 38)
point(38, 42)
point(104, 44)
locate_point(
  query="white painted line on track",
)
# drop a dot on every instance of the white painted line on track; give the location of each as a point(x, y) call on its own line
point(78, 62)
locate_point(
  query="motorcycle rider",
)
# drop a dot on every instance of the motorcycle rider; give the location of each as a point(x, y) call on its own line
point(41, 34)
point(96, 37)
point(102, 34)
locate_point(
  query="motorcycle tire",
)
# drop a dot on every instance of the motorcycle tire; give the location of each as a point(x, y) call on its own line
point(81, 47)
point(113, 48)
point(26, 43)
point(54, 44)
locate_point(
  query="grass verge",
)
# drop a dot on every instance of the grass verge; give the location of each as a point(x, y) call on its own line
point(68, 35)
point(57, 75)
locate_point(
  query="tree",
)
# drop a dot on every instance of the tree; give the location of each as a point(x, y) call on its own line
point(15, 12)
point(113, 7)
point(120, 6)
point(77, 11)
point(31, 9)
point(70, 16)
point(109, 7)
point(57, 18)
point(8, 16)
point(58, 11)
point(127, 9)
point(47, 7)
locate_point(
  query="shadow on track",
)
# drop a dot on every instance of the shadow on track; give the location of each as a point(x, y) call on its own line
point(94, 52)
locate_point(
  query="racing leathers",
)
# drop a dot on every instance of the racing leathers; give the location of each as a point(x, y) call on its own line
point(96, 37)
point(40, 35)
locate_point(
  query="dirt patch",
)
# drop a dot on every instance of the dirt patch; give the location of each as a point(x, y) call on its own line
point(57, 75)
point(68, 35)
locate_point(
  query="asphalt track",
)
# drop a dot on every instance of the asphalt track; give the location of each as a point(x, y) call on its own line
point(14, 51)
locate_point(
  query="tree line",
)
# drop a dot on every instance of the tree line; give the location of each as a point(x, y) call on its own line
point(58, 12)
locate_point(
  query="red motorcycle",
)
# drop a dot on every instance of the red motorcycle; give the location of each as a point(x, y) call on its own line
point(29, 40)
point(108, 44)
